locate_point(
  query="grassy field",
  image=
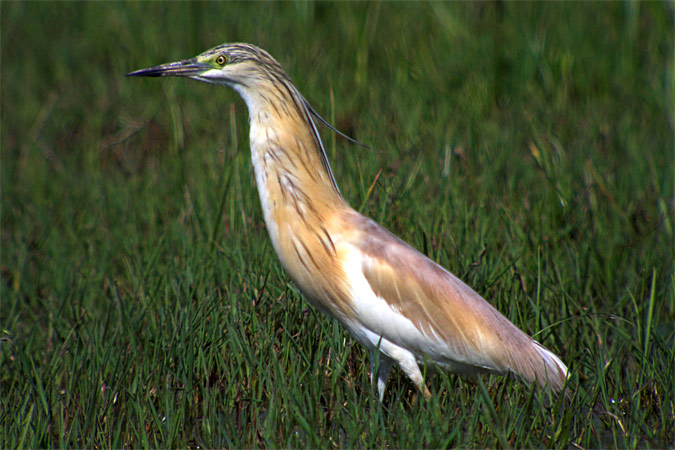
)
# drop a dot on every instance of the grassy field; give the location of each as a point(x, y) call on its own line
point(527, 147)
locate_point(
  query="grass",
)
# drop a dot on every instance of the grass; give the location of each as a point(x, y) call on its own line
point(527, 147)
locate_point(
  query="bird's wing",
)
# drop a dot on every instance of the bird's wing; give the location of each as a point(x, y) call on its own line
point(456, 323)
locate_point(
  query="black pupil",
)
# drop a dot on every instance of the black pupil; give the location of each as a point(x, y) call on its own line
point(221, 60)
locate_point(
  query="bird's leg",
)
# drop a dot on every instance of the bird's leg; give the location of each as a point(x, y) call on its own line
point(383, 374)
point(384, 367)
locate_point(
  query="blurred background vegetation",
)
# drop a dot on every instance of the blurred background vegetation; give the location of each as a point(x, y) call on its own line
point(527, 147)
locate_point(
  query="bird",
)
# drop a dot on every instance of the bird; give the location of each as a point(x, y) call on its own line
point(398, 303)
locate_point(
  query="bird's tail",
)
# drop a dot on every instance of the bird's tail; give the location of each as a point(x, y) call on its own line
point(552, 372)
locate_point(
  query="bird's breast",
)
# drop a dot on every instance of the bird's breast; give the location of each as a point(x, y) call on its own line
point(300, 218)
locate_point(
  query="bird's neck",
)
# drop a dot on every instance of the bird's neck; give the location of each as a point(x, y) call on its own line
point(302, 206)
point(295, 186)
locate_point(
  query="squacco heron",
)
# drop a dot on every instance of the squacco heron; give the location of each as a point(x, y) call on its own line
point(393, 300)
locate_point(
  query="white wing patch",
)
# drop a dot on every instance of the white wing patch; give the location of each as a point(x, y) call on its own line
point(378, 321)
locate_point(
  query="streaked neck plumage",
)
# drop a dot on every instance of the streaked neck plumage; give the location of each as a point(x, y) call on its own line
point(300, 200)
point(288, 157)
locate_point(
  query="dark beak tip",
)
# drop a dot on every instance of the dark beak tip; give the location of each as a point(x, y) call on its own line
point(184, 68)
point(144, 73)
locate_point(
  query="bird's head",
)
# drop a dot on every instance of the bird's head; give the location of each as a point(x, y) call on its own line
point(236, 65)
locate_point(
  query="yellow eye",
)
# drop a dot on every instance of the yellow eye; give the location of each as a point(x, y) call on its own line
point(221, 60)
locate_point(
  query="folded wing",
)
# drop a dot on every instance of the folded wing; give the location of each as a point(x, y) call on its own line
point(456, 327)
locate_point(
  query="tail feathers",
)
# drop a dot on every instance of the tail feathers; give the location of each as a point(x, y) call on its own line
point(552, 372)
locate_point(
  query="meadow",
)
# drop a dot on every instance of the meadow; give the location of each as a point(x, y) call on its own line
point(527, 147)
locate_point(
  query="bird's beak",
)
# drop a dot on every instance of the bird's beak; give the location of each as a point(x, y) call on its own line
point(186, 68)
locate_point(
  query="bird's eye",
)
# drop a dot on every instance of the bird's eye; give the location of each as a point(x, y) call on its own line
point(221, 60)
